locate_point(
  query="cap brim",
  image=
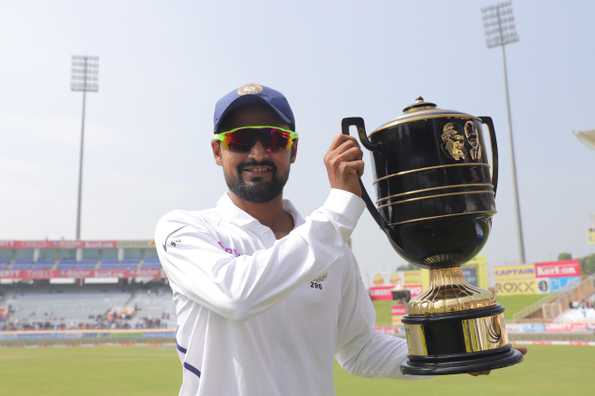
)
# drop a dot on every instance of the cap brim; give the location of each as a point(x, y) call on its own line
point(246, 100)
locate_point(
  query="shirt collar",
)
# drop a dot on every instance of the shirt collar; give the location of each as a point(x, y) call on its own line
point(237, 216)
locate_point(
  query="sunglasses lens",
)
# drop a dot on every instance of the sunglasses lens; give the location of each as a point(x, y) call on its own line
point(242, 140)
point(279, 139)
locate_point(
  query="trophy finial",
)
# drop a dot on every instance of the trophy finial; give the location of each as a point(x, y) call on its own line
point(420, 104)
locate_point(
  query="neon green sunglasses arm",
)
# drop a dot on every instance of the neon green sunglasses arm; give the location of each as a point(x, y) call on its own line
point(221, 135)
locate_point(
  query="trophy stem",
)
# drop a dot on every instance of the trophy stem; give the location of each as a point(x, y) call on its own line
point(446, 276)
point(450, 292)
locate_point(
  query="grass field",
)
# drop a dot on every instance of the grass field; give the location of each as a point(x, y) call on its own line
point(511, 305)
point(152, 371)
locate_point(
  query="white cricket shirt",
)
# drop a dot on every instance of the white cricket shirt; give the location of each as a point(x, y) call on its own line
point(259, 316)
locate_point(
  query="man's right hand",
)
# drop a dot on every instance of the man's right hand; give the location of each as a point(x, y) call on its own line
point(344, 164)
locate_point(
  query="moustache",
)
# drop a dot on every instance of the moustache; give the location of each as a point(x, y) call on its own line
point(242, 167)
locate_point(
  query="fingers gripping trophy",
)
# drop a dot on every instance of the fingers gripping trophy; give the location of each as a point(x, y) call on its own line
point(436, 199)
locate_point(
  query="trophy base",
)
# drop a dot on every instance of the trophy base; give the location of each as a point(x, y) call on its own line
point(458, 342)
point(463, 363)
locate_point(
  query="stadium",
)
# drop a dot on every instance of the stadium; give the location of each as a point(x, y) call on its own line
point(107, 305)
point(86, 307)
point(92, 284)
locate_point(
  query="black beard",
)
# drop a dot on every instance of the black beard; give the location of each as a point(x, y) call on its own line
point(258, 191)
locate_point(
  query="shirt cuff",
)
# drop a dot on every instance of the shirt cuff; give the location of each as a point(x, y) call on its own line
point(348, 205)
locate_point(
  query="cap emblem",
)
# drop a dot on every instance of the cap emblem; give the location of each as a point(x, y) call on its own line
point(250, 89)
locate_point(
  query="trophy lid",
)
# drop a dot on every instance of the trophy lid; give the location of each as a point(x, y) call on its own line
point(422, 110)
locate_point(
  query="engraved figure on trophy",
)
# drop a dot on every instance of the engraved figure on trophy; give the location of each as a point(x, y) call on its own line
point(473, 140)
point(453, 142)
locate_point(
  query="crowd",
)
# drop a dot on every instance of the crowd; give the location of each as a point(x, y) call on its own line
point(115, 318)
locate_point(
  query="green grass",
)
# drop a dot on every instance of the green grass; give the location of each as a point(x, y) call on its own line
point(152, 371)
point(511, 304)
point(383, 313)
point(546, 371)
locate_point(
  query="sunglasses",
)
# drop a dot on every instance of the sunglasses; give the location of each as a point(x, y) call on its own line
point(242, 139)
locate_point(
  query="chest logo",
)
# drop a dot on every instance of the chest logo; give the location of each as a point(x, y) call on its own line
point(229, 250)
point(318, 282)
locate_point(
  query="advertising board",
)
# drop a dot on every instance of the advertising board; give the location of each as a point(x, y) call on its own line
point(381, 292)
point(397, 313)
point(558, 269)
point(554, 285)
point(515, 279)
point(26, 275)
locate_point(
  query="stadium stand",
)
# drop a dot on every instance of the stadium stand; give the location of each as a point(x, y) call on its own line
point(554, 305)
point(128, 264)
point(58, 285)
point(74, 264)
point(60, 307)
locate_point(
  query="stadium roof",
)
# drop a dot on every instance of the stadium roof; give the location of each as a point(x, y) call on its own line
point(587, 137)
point(67, 244)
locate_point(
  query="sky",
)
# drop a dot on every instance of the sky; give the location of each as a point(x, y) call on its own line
point(163, 65)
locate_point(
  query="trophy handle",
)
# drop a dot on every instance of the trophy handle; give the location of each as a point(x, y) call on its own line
point(488, 121)
point(363, 137)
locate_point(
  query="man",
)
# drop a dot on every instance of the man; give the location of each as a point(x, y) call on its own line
point(265, 298)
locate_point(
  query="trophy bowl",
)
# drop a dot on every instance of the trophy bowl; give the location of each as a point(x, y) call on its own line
point(436, 199)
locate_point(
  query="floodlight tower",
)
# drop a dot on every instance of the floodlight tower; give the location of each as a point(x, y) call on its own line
point(500, 30)
point(84, 78)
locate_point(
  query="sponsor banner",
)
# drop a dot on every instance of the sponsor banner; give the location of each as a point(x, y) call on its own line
point(574, 327)
point(512, 287)
point(382, 292)
point(116, 335)
point(554, 285)
point(397, 312)
point(146, 243)
point(100, 244)
point(56, 244)
point(400, 278)
point(547, 342)
point(525, 327)
point(515, 279)
point(25, 275)
point(558, 269)
point(546, 277)
point(577, 327)
point(514, 272)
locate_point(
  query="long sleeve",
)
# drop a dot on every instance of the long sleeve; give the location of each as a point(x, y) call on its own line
point(239, 287)
point(361, 350)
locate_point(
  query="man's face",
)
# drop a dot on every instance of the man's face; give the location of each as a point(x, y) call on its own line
point(258, 175)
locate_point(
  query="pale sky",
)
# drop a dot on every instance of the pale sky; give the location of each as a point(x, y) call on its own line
point(164, 64)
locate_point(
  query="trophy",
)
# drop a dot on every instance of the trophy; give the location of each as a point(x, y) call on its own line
point(436, 199)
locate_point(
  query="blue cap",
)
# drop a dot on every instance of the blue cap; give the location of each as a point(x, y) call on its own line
point(250, 94)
